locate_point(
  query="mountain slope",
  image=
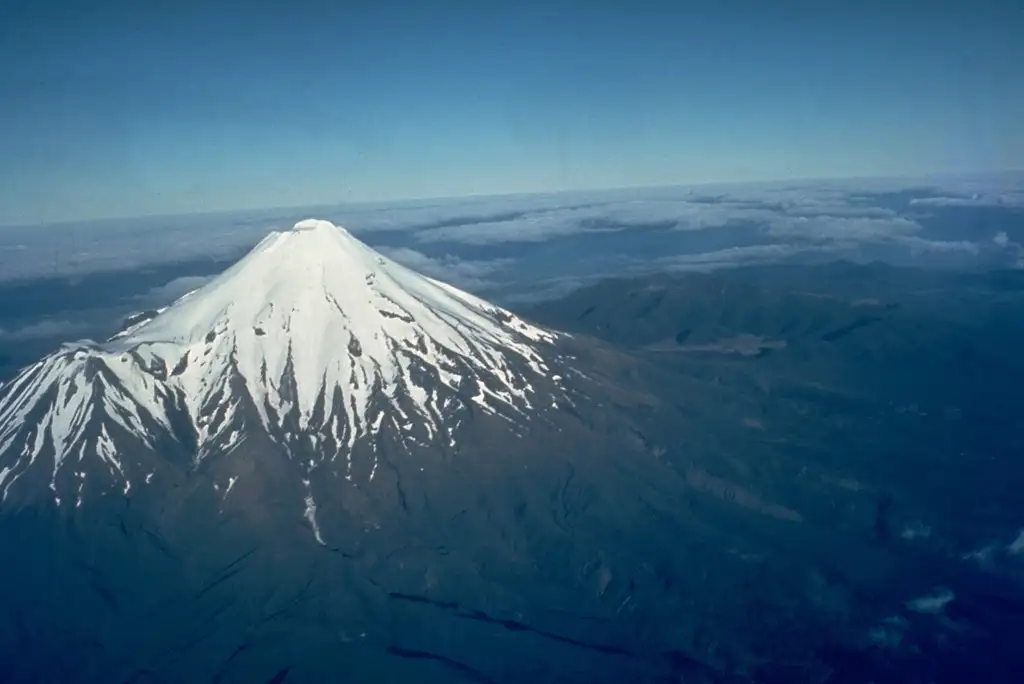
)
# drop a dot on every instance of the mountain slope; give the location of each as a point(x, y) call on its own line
point(324, 467)
point(312, 338)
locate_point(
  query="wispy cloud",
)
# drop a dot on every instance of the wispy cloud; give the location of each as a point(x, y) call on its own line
point(734, 256)
point(998, 555)
point(1000, 190)
point(919, 245)
point(41, 330)
point(464, 272)
point(473, 241)
point(975, 200)
point(533, 228)
point(841, 228)
point(170, 291)
point(785, 215)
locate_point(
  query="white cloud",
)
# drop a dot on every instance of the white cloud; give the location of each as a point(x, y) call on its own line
point(168, 292)
point(528, 229)
point(834, 214)
point(840, 228)
point(975, 200)
point(840, 210)
point(467, 273)
point(919, 245)
point(733, 256)
point(786, 215)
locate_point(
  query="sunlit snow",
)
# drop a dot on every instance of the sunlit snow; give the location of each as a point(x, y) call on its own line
point(311, 320)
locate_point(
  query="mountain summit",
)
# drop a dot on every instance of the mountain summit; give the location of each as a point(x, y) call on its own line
point(312, 339)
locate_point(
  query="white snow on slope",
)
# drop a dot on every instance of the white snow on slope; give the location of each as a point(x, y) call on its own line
point(67, 392)
point(311, 320)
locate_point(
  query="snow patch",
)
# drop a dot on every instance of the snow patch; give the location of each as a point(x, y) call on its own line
point(310, 513)
point(1016, 547)
point(916, 531)
point(933, 604)
point(891, 632)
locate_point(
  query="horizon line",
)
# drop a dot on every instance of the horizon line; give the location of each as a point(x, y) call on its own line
point(528, 193)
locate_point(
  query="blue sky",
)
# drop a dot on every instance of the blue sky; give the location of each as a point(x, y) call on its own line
point(114, 108)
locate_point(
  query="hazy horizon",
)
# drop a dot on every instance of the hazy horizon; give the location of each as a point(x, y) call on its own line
point(1012, 176)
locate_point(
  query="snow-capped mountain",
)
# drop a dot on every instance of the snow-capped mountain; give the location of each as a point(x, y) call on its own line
point(313, 340)
point(316, 429)
point(324, 467)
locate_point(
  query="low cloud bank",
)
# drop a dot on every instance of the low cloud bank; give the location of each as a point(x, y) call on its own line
point(478, 242)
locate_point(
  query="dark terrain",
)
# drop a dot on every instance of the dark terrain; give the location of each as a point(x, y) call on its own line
point(783, 461)
point(883, 403)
